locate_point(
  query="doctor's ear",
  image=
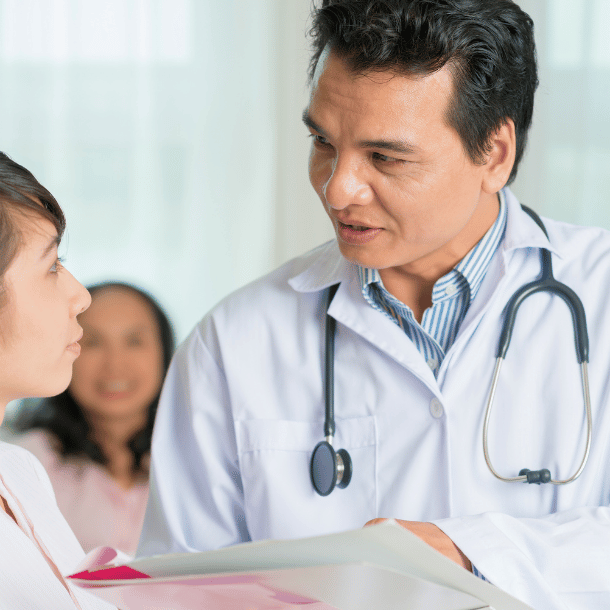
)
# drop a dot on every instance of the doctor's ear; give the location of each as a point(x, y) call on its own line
point(500, 158)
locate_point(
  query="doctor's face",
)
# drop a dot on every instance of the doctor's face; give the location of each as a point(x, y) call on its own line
point(39, 332)
point(391, 173)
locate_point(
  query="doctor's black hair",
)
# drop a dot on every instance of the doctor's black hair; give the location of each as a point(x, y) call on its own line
point(62, 416)
point(487, 44)
point(21, 195)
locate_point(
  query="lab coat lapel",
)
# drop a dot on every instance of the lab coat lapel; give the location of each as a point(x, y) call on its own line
point(350, 309)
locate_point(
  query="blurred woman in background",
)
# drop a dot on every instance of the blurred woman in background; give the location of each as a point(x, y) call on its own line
point(94, 438)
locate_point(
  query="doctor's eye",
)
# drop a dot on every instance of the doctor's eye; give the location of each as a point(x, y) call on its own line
point(386, 159)
point(319, 141)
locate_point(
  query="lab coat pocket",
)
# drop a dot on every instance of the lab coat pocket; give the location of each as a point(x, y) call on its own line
point(281, 502)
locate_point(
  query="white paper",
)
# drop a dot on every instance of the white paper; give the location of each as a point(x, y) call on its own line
point(382, 566)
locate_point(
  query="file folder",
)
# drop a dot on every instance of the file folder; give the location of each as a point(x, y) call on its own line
point(381, 567)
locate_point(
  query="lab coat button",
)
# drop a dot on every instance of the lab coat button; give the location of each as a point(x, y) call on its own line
point(436, 408)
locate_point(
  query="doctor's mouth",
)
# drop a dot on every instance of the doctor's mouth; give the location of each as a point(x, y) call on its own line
point(355, 234)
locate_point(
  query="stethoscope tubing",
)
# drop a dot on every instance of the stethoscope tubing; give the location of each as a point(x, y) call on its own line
point(587, 401)
point(329, 369)
point(329, 468)
point(546, 283)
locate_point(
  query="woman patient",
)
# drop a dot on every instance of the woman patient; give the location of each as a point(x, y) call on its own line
point(39, 334)
point(94, 438)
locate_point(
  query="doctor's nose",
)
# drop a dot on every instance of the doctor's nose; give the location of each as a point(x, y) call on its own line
point(345, 186)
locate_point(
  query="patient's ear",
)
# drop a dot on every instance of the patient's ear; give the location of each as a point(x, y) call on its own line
point(500, 158)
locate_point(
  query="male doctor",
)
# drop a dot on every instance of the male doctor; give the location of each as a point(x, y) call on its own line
point(418, 116)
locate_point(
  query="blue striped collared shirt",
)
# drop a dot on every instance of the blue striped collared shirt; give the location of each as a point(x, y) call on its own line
point(451, 296)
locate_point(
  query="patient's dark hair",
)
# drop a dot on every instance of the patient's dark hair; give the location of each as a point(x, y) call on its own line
point(21, 196)
point(487, 44)
point(63, 417)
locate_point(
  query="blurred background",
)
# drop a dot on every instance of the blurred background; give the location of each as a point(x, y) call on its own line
point(170, 131)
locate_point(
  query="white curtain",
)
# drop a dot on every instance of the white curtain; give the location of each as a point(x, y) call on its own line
point(566, 171)
point(170, 131)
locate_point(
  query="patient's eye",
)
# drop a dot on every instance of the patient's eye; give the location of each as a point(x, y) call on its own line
point(57, 265)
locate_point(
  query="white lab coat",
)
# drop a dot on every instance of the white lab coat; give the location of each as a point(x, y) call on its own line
point(242, 408)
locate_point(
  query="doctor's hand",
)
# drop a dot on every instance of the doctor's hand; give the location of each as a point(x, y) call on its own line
point(435, 537)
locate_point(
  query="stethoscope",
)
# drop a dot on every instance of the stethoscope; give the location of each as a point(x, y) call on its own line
point(330, 468)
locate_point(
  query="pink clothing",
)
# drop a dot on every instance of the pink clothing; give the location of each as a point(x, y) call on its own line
point(99, 511)
point(40, 549)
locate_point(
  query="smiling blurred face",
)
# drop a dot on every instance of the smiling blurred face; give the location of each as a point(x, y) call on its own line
point(38, 326)
point(393, 176)
point(120, 370)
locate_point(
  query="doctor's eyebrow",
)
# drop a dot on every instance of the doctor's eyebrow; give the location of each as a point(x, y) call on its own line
point(397, 146)
point(309, 122)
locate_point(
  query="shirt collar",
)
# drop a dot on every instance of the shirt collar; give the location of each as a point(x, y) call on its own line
point(321, 268)
point(475, 264)
point(522, 231)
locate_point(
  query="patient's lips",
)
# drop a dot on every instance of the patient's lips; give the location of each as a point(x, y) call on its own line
point(74, 347)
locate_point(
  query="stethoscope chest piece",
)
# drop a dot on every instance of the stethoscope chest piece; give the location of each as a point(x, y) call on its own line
point(330, 468)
